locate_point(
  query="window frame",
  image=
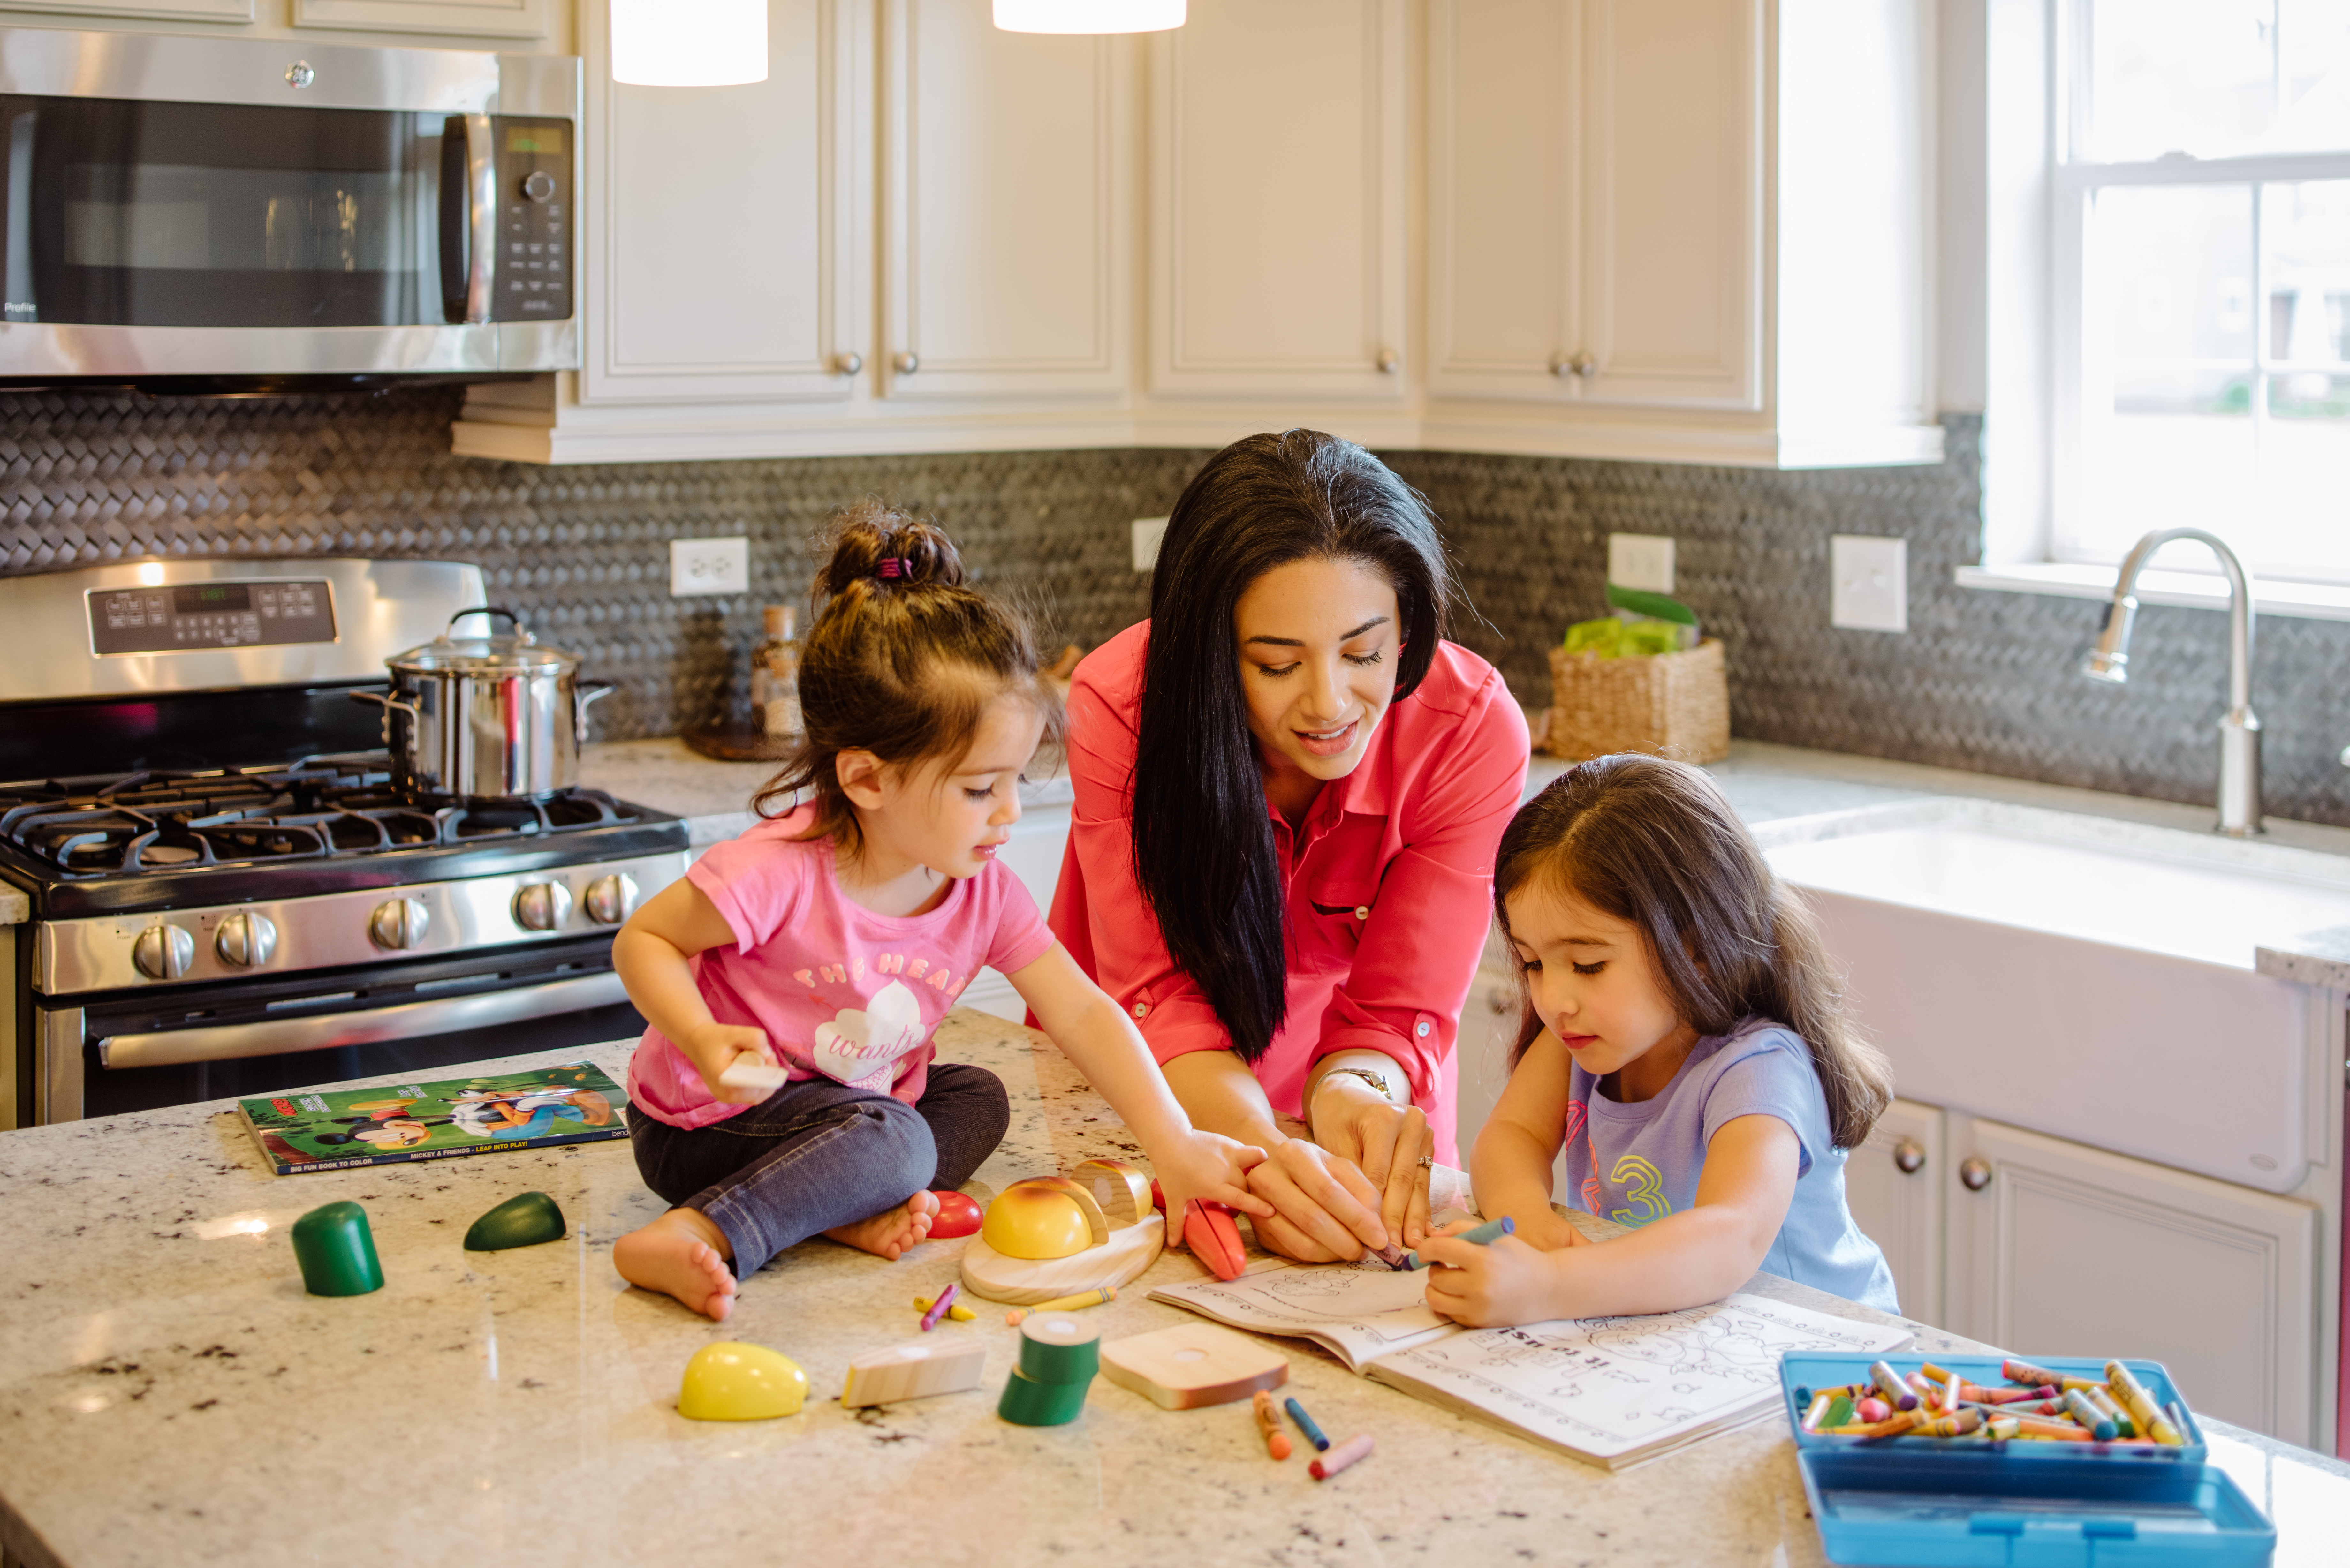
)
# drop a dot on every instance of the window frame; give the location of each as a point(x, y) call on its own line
point(2073, 184)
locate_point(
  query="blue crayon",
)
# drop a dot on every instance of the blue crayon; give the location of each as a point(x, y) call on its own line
point(1306, 1425)
point(1484, 1235)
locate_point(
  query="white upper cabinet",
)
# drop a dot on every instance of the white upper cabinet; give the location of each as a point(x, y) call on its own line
point(1278, 243)
point(1600, 195)
point(460, 18)
point(724, 234)
point(1007, 218)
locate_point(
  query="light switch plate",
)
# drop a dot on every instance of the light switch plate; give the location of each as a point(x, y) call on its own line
point(709, 566)
point(1148, 532)
point(1870, 583)
point(1643, 561)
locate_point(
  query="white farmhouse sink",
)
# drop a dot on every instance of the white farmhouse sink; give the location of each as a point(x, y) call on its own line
point(2081, 977)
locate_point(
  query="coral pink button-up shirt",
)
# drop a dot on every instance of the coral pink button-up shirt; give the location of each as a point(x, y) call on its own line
point(1388, 880)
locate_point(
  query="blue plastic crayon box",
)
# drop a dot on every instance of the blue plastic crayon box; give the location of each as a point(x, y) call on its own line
point(1925, 1502)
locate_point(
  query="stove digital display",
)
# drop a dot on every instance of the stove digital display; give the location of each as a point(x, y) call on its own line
point(192, 616)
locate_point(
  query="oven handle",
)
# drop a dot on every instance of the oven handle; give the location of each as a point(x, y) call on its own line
point(408, 1020)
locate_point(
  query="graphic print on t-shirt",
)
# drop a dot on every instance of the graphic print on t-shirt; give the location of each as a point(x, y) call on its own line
point(861, 1046)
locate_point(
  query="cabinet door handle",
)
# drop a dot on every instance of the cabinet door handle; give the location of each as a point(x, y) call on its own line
point(1582, 365)
point(849, 364)
point(908, 363)
point(1389, 361)
point(1909, 1157)
point(1974, 1173)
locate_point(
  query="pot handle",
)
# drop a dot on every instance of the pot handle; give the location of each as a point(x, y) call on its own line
point(520, 629)
point(582, 694)
point(388, 702)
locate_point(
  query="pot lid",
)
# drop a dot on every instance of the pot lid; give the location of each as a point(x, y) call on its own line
point(516, 652)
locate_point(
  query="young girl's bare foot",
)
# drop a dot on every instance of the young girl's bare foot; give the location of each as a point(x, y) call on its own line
point(675, 1255)
point(891, 1232)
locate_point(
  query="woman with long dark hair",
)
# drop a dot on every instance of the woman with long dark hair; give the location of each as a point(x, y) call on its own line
point(1288, 790)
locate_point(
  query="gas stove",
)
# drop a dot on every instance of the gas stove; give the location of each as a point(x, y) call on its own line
point(229, 895)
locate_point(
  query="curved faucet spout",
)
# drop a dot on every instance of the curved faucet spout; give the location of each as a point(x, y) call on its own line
point(2239, 728)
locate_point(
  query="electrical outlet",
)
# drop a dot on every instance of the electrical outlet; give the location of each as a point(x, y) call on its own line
point(1870, 583)
point(1643, 561)
point(1148, 532)
point(709, 566)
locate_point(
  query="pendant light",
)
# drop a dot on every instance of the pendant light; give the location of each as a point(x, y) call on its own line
point(688, 43)
point(1088, 16)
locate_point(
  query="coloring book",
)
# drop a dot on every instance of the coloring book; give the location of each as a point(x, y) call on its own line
point(306, 1130)
point(1614, 1391)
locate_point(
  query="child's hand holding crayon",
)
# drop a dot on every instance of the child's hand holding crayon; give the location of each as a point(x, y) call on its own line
point(1504, 1282)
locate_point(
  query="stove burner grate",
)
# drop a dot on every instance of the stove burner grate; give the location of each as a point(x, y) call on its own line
point(322, 806)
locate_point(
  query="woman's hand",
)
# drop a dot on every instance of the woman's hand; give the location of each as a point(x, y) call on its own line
point(714, 1047)
point(1503, 1282)
point(1208, 1166)
point(1357, 1123)
point(1326, 1210)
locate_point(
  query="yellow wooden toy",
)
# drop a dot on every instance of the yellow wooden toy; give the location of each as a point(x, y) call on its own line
point(730, 1381)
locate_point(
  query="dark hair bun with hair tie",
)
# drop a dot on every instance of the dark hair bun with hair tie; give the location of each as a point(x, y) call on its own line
point(889, 550)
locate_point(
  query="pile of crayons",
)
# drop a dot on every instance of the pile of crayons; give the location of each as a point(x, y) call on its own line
point(2040, 1407)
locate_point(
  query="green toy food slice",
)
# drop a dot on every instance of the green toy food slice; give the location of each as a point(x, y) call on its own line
point(522, 1221)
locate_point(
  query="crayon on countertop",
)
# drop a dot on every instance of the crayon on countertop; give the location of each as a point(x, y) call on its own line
point(955, 1309)
point(1064, 1303)
point(1306, 1425)
point(938, 1309)
point(1484, 1235)
point(1339, 1457)
point(1896, 1392)
point(1276, 1441)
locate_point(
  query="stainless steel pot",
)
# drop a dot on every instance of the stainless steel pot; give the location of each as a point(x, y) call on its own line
point(487, 718)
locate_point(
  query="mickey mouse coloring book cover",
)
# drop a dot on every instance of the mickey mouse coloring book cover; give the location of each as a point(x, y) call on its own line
point(304, 1131)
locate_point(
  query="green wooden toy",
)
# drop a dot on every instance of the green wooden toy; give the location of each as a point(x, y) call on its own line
point(337, 1252)
point(522, 1221)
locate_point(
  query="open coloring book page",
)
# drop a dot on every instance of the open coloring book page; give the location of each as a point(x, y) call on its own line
point(1357, 1313)
point(1606, 1386)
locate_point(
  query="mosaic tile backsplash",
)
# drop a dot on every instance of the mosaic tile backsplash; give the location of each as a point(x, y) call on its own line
point(1981, 681)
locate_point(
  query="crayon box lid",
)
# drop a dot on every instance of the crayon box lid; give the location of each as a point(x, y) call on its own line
point(1920, 1510)
point(1800, 1371)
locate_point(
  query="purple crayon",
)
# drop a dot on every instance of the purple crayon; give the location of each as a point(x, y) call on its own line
point(937, 1308)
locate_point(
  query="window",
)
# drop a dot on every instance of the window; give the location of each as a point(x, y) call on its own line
point(2203, 236)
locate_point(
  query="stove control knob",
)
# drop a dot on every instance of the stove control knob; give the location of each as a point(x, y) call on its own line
point(245, 941)
point(400, 923)
point(541, 907)
point(164, 951)
point(611, 898)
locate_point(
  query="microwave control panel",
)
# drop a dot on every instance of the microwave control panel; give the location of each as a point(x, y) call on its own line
point(180, 617)
point(533, 266)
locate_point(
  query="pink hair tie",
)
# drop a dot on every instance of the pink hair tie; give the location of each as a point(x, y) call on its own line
point(894, 566)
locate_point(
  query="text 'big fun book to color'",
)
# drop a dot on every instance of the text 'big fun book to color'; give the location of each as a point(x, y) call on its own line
point(1614, 1391)
point(306, 1130)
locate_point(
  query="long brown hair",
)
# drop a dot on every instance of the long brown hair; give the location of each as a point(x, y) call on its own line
point(904, 660)
point(1203, 847)
point(1654, 843)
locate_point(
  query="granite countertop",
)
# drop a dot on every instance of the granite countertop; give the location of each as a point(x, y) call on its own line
point(169, 1394)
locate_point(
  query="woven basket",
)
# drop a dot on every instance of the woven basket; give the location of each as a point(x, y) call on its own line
point(1670, 704)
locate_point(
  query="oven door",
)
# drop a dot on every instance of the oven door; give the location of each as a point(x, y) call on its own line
point(190, 208)
point(140, 1051)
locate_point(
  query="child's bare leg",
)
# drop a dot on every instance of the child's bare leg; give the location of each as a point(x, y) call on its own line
point(681, 1255)
point(889, 1233)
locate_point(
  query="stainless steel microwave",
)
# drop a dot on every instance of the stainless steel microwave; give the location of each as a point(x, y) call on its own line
point(221, 214)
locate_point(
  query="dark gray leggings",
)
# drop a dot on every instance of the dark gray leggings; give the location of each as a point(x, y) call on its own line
point(818, 1154)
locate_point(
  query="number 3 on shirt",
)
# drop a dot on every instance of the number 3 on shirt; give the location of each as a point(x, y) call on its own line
point(1644, 1185)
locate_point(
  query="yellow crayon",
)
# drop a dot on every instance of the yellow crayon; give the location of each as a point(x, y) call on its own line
point(1064, 1303)
point(955, 1309)
point(1954, 1426)
point(2141, 1405)
point(1999, 1428)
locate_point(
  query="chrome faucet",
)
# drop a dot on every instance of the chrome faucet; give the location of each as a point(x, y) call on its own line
point(2239, 727)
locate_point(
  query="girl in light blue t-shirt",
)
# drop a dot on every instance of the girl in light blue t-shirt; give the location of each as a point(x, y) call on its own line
point(1684, 1043)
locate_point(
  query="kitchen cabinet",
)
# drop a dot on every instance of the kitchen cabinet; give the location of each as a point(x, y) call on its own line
point(1685, 230)
point(456, 18)
point(1893, 1185)
point(160, 10)
point(1277, 161)
point(2057, 1249)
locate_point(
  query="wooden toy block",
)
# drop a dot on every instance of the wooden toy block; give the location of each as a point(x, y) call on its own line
point(1192, 1365)
point(1022, 1281)
point(912, 1372)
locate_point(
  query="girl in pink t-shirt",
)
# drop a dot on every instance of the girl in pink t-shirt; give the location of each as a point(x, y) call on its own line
point(830, 941)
